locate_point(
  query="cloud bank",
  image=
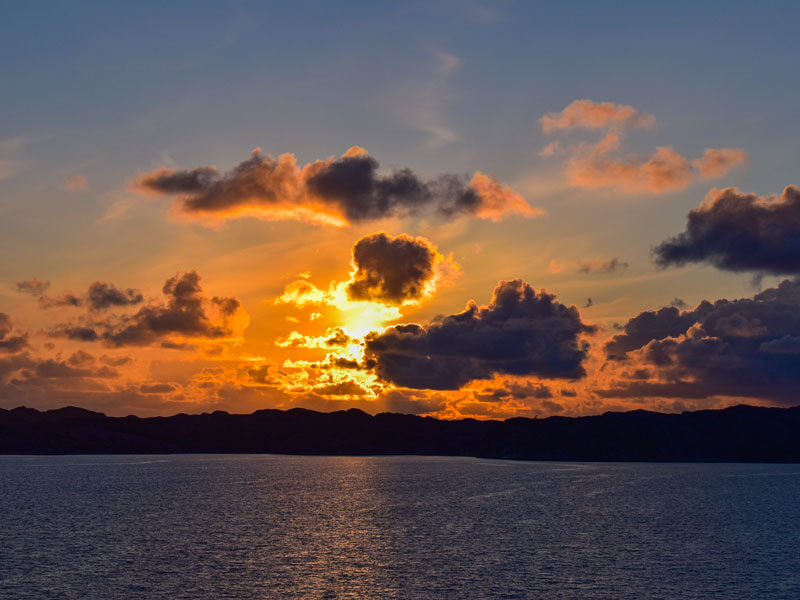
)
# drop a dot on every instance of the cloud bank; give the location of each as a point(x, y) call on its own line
point(748, 347)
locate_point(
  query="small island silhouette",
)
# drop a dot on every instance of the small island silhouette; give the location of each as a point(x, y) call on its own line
point(740, 433)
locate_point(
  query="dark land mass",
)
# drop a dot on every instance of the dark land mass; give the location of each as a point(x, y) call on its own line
point(740, 433)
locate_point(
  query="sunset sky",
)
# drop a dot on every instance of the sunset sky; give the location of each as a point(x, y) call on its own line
point(449, 208)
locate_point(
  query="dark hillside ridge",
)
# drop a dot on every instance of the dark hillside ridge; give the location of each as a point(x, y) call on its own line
point(740, 433)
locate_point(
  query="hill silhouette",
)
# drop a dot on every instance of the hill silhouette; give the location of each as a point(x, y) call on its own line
point(739, 433)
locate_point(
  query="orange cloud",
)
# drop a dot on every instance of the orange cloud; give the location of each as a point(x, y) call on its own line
point(663, 171)
point(597, 166)
point(717, 162)
point(595, 115)
point(498, 200)
point(77, 182)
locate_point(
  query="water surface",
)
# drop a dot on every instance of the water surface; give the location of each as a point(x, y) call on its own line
point(263, 526)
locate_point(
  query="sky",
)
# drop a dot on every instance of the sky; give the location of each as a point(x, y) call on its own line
point(456, 209)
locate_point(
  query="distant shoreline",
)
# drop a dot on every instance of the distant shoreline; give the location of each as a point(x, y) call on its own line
point(737, 434)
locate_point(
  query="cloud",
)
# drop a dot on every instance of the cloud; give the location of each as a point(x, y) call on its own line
point(187, 313)
point(78, 182)
point(34, 287)
point(595, 265)
point(597, 166)
point(520, 332)
point(734, 231)
point(344, 388)
point(717, 162)
point(514, 390)
point(102, 296)
point(602, 265)
point(395, 269)
point(663, 171)
point(63, 299)
point(678, 303)
point(78, 333)
point(9, 342)
point(422, 104)
point(158, 388)
point(410, 402)
point(9, 151)
point(595, 115)
point(332, 338)
point(742, 348)
point(335, 191)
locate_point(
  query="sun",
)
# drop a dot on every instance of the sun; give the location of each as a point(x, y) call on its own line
point(359, 318)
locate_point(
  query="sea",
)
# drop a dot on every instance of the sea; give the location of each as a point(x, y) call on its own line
point(265, 526)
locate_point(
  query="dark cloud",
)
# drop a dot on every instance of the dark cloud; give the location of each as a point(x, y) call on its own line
point(260, 374)
point(34, 287)
point(652, 325)
point(517, 391)
point(341, 388)
point(353, 183)
point(50, 368)
point(187, 312)
point(79, 333)
point(520, 332)
point(157, 388)
point(10, 342)
point(337, 337)
point(739, 232)
point(747, 347)
point(81, 358)
point(601, 265)
point(391, 269)
point(102, 295)
point(678, 303)
point(115, 361)
point(408, 402)
point(348, 188)
point(64, 299)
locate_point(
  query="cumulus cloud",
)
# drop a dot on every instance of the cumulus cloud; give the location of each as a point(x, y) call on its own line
point(34, 287)
point(748, 347)
point(187, 313)
point(735, 231)
point(520, 332)
point(395, 269)
point(598, 166)
point(334, 191)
